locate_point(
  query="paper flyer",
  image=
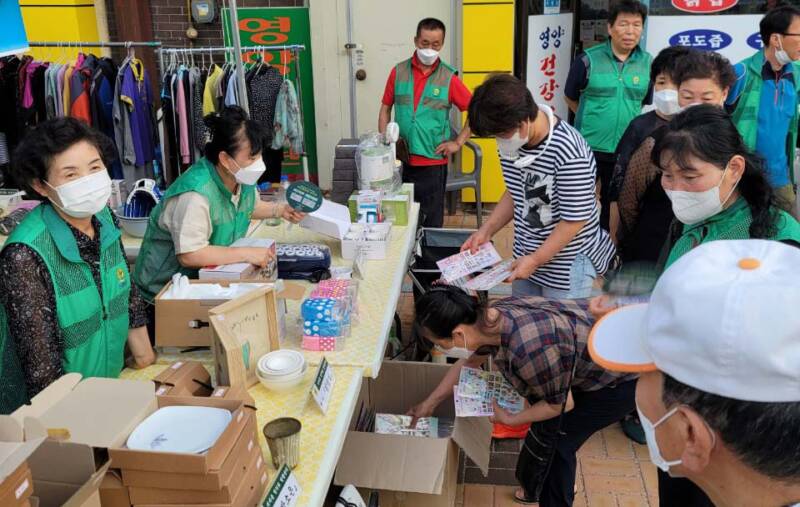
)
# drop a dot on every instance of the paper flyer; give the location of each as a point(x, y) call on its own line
point(465, 263)
point(477, 388)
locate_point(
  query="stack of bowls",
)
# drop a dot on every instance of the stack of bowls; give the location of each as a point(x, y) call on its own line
point(281, 369)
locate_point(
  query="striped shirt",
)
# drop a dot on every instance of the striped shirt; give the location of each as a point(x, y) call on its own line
point(558, 185)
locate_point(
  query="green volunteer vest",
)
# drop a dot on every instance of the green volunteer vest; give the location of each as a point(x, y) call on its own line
point(732, 223)
point(612, 98)
point(745, 116)
point(428, 126)
point(157, 261)
point(93, 329)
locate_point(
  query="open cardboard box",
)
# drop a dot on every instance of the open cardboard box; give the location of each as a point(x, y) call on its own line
point(423, 469)
point(184, 322)
point(98, 414)
point(16, 480)
point(213, 481)
point(243, 330)
point(112, 492)
point(190, 378)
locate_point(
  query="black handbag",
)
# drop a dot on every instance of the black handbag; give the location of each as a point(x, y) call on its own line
point(306, 261)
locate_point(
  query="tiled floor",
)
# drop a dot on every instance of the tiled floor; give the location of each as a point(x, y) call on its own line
point(612, 471)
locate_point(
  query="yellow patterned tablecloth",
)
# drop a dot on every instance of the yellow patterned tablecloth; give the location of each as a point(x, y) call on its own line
point(377, 297)
point(322, 436)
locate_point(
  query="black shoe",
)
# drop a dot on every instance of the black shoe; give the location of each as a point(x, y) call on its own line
point(633, 429)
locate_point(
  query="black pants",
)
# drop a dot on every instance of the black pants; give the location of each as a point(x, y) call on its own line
point(605, 169)
point(593, 411)
point(429, 184)
point(677, 492)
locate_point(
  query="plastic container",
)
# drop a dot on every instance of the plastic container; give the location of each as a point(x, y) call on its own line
point(133, 226)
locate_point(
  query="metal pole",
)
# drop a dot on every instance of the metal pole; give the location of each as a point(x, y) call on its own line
point(304, 155)
point(45, 44)
point(237, 44)
point(350, 47)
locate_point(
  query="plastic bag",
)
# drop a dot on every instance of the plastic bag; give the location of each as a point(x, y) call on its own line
point(375, 162)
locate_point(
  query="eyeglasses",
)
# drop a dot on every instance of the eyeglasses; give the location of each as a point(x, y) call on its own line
point(791, 34)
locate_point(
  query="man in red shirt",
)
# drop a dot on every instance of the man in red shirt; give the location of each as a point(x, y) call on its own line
point(422, 90)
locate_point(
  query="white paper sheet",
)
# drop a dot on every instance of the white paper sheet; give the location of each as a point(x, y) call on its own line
point(331, 219)
point(466, 263)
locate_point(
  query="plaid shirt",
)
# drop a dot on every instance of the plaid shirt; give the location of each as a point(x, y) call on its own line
point(538, 339)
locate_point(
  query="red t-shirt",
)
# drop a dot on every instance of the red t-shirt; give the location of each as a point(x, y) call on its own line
point(458, 95)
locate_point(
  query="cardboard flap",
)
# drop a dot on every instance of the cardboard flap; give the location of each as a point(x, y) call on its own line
point(62, 462)
point(393, 462)
point(13, 454)
point(69, 495)
point(290, 290)
point(48, 397)
point(99, 412)
point(474, 436)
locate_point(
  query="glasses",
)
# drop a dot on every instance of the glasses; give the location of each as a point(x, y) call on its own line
point(791, 34)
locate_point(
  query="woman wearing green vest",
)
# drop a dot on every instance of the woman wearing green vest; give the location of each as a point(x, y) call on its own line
point(209, 207)
point(718, 191)
point(66, 299)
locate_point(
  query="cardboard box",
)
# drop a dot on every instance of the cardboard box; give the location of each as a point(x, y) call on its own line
point(243, 330)
point(171, 462)
point(184, 378)
point(381, 462)
point(17, 487)
point(249, 494)
point(184, 322)
point(331, 220)
point(225, 495)
point(213, 481)
point(112, 492)
point(373, 250)
point(395, 209)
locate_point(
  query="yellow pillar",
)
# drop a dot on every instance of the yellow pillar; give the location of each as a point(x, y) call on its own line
point(59, 20)
point(488, 47)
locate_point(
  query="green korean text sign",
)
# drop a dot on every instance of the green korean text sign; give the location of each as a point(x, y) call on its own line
point(273, 26)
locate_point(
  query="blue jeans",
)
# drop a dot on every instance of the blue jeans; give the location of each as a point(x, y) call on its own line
point(581, 280)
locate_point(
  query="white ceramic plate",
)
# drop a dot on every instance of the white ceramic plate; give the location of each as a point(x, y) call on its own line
point(180, 429)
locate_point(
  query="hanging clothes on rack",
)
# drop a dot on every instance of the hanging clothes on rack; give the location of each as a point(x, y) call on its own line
point(210, 90)
point(134, 121)
point(288, 120)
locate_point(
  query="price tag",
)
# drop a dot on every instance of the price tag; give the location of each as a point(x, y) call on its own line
point(322, 389)
point(304, 196)
point(284, 491)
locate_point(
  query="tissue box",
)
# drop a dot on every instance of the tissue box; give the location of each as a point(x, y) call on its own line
point(373, 249)
point(322, 328)
point(321, 343)
point(243, 270)
point(395, 209)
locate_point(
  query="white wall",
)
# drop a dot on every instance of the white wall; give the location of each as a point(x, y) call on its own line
point(385, 29)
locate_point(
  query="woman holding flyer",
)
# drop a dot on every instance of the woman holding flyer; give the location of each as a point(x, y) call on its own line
point(540, 348)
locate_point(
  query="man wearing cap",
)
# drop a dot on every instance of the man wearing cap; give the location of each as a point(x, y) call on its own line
point(718, 352)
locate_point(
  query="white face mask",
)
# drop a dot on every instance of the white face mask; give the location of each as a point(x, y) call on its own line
point(456, 352)
point(249, 175)
point(652, 444)
point(781, 55)
point(666, 102)
point(85, 196)
point(509, 148)
point(694, 207)
point(427, 56)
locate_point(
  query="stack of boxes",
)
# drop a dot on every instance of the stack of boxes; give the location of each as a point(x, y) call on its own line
point(345, 173)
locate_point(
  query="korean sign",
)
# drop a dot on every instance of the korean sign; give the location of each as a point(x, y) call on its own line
point(734, 36)
point(703, 6)
point(549, 49)
point(276, 27)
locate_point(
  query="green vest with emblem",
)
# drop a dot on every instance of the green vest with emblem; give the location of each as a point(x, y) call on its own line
point(157, 261)
point(745, 116)
point(428, 126)
point(731, 223)
point(92, 327)
point(612, 97)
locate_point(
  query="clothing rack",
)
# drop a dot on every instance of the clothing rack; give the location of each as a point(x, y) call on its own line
point(69, 44)
point(294, 48)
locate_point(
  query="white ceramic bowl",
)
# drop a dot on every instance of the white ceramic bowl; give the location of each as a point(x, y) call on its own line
point(280, 363)
point(136, 227)
point(285, 383)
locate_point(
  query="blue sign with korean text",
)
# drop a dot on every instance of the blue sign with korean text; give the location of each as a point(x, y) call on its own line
point(710, 40)
point(755, 42)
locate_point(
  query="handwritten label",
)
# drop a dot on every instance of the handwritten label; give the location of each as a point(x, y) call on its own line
point(285, 491)
point(322, 389)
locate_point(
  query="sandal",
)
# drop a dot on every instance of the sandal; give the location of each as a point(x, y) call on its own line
point(524, 500)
